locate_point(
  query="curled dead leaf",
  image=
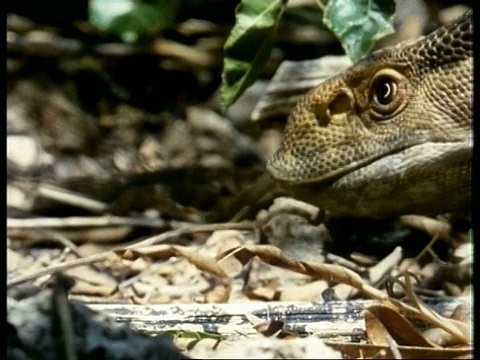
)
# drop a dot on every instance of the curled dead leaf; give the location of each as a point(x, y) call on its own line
point(401, 330)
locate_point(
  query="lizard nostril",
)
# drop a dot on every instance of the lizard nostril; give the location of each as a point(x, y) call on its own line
point(321, 114)
point(340, 103)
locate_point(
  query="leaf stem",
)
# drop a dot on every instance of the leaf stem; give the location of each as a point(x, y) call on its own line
point(320, 4)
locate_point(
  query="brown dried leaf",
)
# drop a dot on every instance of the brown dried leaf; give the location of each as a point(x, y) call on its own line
point(402, 331)
point(364, 351)
point(456, 328)
point(462, 314)
point(91, 282)
point(202, 262)
point(274, 256)
point(376, 331)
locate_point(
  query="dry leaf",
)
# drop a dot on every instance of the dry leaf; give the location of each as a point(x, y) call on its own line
point(401, 330)
point(376, 333)
point(164, 252)
point(91, 282)
point(368, 351)
point(462, 314)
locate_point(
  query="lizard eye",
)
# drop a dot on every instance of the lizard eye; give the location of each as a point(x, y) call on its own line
point(387, 93)
point(384, 91)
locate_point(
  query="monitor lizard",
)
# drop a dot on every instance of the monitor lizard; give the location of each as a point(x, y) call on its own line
point(391, 135)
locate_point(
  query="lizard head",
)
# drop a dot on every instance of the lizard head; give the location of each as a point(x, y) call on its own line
point(396, 99)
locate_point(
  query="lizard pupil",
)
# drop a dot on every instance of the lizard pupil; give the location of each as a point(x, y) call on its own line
point(385, 91)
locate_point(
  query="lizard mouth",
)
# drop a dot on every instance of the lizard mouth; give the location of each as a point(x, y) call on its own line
point(402, 182)
point(290, 168)
point(417, 158)
point(290, 171)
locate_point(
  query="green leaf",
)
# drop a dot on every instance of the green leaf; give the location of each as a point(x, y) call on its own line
point(359, 23)
point(132, 20)
point(248, 45)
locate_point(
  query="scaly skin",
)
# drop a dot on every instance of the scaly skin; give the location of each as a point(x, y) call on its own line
point(391, 135)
